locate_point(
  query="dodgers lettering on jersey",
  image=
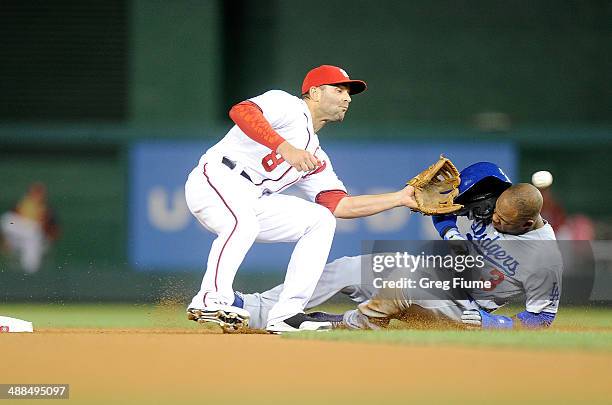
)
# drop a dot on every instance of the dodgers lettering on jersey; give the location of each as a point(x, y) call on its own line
point(489, 247)
point(516, 265)
point(290, 117)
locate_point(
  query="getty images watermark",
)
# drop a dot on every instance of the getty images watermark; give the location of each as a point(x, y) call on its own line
point(414, 264)
point(577, 271)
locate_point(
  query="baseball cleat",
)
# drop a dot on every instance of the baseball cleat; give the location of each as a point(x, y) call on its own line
point(229, 318)
point(334, 319)
point(298, 323)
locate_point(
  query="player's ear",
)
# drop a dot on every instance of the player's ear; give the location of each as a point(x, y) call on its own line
point(315, 93)
point(528, 224)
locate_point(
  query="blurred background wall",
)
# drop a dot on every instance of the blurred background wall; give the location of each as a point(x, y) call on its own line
point(80, 82)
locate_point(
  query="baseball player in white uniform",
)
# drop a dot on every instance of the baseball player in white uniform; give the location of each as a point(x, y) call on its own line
point(30, 228)
point(529, 266)
point(234, 192)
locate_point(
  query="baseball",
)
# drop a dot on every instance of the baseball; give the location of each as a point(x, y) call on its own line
point(542, 179)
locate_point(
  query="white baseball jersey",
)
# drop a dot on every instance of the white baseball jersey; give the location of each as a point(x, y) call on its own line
point(290, 118)
point(241, 211)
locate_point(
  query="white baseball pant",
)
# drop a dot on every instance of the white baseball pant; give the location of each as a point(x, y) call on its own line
point(229, 205)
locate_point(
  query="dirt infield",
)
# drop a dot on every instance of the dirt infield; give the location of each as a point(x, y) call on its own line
point(172, 366)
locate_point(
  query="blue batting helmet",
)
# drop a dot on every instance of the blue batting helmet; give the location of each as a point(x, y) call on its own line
point(481, 171)
point(481, 184)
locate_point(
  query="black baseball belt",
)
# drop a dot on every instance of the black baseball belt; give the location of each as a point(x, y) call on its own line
point(231, 164)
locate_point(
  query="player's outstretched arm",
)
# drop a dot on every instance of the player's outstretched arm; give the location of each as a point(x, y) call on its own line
point(358, 206)
point(480, 318)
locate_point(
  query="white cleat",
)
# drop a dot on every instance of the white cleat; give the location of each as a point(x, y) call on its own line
point(299, 323)
point(229, 318)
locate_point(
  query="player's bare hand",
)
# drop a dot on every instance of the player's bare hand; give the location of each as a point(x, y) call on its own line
point(407, 197)
point(300, 159)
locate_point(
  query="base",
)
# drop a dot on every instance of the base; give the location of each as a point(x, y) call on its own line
point(14, 325)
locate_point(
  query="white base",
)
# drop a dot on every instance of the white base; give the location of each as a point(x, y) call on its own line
point(14, 325)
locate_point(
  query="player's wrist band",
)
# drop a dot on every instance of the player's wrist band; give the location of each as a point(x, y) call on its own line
point(444, 223)
point(453, 234)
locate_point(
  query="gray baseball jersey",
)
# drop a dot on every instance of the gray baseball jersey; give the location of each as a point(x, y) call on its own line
point(529, 264)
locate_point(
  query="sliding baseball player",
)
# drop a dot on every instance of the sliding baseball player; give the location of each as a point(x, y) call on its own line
point(521, 259)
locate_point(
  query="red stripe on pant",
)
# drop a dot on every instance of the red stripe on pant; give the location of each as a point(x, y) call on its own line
point(228, 238)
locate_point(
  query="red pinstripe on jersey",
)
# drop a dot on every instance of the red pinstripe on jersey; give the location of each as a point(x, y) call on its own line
point(228, 238)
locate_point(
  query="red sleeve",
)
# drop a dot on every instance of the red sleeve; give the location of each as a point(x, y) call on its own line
point(330, 198)
point(250, 119)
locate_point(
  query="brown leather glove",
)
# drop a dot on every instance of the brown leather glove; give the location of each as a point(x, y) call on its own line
point(436, 188)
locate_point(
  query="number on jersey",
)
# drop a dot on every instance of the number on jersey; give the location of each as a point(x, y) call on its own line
point(271, 160)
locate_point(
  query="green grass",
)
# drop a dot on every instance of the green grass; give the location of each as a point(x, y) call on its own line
point(171, 315)
point(99, 315)
point(596, 320)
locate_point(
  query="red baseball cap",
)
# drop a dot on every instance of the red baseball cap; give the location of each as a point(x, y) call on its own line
point(327, 74)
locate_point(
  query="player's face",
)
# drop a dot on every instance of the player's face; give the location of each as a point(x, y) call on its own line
point(334, 102)
point(507, 219)
point(502, 224)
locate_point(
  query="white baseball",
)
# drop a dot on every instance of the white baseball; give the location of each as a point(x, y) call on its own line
point(542, 179)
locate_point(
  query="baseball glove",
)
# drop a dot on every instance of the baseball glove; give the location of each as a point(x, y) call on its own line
point(436, 187)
